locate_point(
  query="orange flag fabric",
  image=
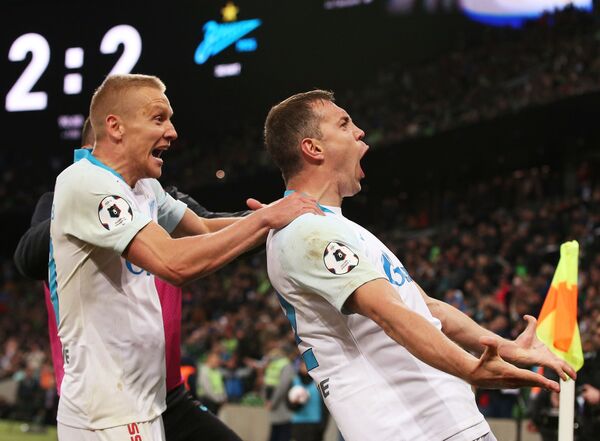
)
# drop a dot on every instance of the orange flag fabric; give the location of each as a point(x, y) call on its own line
point(557, 325)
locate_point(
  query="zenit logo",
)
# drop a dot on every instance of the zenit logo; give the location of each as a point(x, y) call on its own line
point(219, 36)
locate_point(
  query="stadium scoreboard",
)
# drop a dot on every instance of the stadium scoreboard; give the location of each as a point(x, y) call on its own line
point(220, 59)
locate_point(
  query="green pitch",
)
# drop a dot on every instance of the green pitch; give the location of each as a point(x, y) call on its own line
point(11, 431)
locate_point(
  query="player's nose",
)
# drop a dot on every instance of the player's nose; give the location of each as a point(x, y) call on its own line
point(360, 134)
point(171, 133)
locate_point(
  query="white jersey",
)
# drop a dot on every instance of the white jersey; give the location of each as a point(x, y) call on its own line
point(107, 310)
point(374, 388)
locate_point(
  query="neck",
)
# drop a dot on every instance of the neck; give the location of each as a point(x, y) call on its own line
point(110, 157)
point(324, 189)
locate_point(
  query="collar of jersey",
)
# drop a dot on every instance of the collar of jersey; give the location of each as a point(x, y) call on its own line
point(322, 207)
point(80, 154)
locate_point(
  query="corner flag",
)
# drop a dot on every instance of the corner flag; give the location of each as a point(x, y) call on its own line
point(557, 325)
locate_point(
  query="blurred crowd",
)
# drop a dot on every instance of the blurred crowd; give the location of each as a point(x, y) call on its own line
point(501, 71)
point(495, 72)
point(492, 254)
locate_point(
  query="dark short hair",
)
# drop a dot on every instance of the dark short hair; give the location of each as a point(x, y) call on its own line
point(288, 123)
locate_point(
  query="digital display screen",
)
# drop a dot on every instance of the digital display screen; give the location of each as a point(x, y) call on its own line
point(224, 62)
point(221, 60)
point(516, 12)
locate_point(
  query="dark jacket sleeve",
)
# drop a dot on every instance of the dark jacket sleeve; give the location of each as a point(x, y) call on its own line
point(31, 255)
point(200, 210)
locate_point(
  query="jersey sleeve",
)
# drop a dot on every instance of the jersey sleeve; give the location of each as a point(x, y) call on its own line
point(97, 211)
point(323, 256)
point(170, 210)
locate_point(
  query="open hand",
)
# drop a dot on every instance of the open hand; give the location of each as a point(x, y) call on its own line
point(281, 212)
point(492, 372)
point(528, 350)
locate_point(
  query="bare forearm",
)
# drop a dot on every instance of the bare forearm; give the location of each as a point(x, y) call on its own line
point(379, 301)
point(427, 343)
point(193, 225)
point(456, 325)
point(459, 327)
point(217, 224)
point(197, 256)
point(182, 260)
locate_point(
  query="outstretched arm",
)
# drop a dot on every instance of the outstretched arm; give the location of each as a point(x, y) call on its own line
point(379, 301)
point(181, 260)
point(526, 350)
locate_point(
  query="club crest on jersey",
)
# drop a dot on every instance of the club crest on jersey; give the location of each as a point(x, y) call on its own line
point(339, 259)
point(114, 211)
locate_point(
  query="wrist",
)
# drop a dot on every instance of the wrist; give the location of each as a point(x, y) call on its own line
point(468, 370)
point(507, 349)
point(261, 217)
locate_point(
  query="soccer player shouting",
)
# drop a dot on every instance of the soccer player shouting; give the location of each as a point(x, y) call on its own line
point(388, 359)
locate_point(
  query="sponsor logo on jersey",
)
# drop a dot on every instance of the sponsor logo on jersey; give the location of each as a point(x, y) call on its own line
point(323, 387)
point(339, 259)
point(114, 211)
point(134, 432)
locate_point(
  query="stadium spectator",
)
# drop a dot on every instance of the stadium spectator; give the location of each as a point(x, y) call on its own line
point(211, 385)
point(278, 375)
point(309, 414)
point(589, 389)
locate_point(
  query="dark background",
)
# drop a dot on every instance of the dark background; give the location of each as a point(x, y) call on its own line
point(301, 45)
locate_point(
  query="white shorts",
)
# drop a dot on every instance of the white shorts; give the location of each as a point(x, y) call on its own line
point(149, 431)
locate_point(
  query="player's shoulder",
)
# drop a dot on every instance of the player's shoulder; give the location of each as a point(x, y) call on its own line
point(310, 224)
point(81, 170)
point(75, 177)
point(311, 231)
point(82, 178)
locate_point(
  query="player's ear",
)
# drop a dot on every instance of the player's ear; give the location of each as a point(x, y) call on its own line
point(312, 150)
point(114, 127)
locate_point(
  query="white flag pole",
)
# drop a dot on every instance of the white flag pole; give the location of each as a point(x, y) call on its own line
point(566, 410)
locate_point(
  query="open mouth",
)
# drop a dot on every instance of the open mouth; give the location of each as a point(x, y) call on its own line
point(157, 153)
point(362, 173)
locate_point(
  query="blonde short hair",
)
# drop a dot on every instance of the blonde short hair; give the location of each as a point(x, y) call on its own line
point(110, 96)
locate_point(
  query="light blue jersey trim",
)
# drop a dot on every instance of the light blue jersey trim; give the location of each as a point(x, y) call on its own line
point(80, 154)
point(53, 283)
point(290, 313)
point(324, 209)
point(310, 360)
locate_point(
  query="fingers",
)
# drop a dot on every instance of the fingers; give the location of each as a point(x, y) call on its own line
point(529, 378)
point(313, 207)
point(563, 370)
point(531, 321)
point(489, 342)
point(566, 367)
point(490, 352)
point(253, 204)
point(285, 210)
point(307, 203)
point(552, 386)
